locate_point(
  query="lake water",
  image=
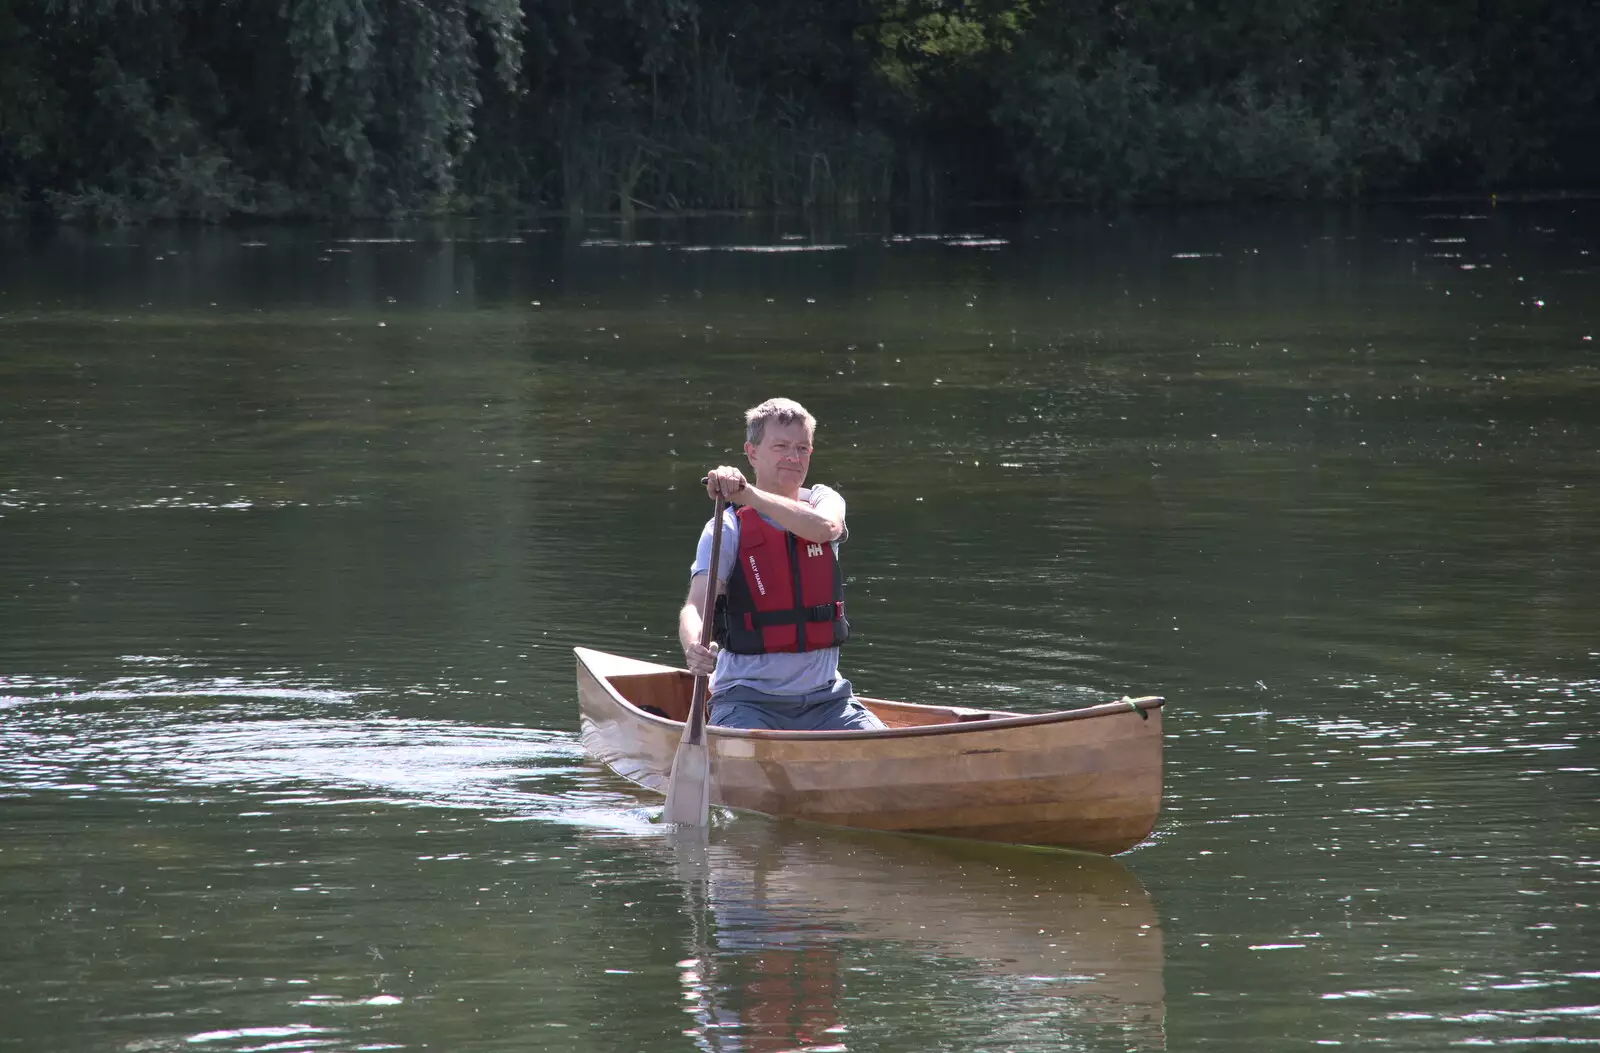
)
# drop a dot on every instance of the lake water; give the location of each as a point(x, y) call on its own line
point(298, 529)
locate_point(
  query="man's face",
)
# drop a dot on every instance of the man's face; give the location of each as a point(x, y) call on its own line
point(783, 456)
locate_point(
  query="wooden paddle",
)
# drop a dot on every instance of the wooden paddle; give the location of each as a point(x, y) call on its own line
point(689, 789)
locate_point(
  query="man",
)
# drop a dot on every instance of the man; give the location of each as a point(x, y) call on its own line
point(780, 611)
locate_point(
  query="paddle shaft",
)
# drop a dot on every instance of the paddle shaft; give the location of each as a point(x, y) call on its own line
point(689, 786)
point(695, 730)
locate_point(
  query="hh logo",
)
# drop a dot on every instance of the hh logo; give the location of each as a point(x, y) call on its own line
point(813, 550)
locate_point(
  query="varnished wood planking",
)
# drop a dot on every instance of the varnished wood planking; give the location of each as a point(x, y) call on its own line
point(1086, 778)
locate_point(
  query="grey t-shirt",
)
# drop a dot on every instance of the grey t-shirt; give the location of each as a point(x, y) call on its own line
point(790, 673)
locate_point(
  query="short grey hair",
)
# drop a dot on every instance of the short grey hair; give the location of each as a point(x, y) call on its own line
point(778, 411)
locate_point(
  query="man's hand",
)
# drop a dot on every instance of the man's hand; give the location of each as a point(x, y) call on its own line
point(725, 482)
point(702, 661)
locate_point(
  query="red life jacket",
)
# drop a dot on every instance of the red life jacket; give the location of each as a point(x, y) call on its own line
point(786, 595)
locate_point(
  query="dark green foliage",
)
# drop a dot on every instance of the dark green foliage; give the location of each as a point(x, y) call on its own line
point(205, 108)
point(119, 110)
point(1277, 99)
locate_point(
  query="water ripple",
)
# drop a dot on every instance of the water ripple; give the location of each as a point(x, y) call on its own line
point(213, 738)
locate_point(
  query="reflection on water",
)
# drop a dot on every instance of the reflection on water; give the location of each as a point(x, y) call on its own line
point(1052, 945)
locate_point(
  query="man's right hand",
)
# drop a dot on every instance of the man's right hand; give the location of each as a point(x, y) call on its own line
point(726, 482)
point(702, 661)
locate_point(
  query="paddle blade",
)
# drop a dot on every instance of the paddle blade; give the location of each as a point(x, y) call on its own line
point(689, 790)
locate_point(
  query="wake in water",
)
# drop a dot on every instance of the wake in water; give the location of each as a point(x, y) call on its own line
point(284, 739)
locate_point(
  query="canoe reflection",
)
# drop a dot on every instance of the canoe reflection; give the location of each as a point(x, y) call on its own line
point(785, 915)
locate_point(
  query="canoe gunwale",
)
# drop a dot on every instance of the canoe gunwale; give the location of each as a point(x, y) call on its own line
point(1019, 720)
point(959, 727)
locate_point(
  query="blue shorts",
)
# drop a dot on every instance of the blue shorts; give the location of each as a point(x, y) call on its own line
point(830, 709)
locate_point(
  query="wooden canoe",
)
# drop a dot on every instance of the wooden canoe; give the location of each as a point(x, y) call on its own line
point(1088, 779)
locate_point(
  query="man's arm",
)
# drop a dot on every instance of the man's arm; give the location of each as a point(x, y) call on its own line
point(691, 619)
point(822, 523)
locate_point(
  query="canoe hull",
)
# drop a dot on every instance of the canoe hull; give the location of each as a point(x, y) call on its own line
point(1088, 780)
